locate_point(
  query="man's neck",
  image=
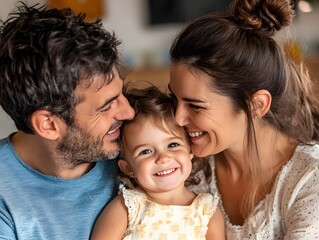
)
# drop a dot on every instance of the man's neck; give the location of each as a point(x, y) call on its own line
point(37, 153)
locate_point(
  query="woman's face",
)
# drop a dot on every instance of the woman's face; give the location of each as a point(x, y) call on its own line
point(209, 118)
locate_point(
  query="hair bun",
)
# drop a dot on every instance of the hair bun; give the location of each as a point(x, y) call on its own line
point(266, 16)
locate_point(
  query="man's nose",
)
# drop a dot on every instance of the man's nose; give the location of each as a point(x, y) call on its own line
point(126, 112)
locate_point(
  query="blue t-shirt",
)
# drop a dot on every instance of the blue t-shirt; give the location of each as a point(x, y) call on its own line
point(35, 206)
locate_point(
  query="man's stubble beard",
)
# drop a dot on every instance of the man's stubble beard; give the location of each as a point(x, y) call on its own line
point(79, 147)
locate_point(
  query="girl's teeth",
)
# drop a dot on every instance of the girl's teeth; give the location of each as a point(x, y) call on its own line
point(195, 134)
point(165, 172)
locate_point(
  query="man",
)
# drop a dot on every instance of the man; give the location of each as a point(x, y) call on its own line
point(60, 81)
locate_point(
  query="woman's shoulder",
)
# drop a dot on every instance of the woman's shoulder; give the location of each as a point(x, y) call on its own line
point(308, 151)
point(305, 157)
point(301, 170)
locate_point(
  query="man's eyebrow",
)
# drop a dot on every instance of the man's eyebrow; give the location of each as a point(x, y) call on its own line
point(106, 102)
point(186, 99)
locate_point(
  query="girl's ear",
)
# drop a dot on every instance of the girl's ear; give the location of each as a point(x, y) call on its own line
point(47, 125)
point(261, 102)
point(125, 168)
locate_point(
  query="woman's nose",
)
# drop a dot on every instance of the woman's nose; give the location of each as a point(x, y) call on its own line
point(181, 115)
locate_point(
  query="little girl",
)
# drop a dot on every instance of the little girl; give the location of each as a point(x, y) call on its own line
point(155, 204)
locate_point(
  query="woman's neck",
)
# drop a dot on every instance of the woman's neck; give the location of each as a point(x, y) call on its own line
point(236, 171)
point(273, 150)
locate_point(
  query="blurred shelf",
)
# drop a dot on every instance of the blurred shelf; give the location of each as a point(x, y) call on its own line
point(158, 76)
point(313, 65)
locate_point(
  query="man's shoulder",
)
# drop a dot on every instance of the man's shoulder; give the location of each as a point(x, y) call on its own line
point(3, 142)
point(5, 150)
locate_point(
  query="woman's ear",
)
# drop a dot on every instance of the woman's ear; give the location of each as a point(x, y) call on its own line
point(46, 124)
point(261, 102)
point(125, 168)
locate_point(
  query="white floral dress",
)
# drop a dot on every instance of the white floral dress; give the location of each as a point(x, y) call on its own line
point(152, 221)
point(290, 210)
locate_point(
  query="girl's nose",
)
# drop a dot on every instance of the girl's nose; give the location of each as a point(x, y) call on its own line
point(163, 158)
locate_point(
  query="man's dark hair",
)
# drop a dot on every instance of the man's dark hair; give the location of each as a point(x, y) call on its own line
point(45, 54)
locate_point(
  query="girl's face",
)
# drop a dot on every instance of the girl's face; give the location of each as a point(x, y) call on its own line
point(209, 118)
point(159, 160)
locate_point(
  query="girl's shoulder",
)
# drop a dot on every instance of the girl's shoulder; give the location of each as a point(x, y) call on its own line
point(132, 196)
point(206, 202)
point(133, 200)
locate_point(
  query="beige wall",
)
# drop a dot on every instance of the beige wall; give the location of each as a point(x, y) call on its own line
point(142, 43)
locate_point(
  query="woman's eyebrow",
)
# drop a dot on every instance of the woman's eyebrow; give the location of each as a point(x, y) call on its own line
point(186, 99)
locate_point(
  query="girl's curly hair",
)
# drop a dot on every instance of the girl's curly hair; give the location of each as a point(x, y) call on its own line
point(152, 103)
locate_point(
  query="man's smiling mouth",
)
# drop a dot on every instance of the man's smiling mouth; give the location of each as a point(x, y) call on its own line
point(115, 128)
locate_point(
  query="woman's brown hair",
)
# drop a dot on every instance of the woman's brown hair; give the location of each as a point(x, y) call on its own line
point(237, 50)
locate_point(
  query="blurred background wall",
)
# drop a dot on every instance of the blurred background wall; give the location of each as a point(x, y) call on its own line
point(146, 38)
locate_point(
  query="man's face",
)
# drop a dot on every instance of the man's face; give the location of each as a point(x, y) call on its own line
point(95, 134)
point(78, 147)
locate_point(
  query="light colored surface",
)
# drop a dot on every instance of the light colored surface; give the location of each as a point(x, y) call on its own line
point(6, 124)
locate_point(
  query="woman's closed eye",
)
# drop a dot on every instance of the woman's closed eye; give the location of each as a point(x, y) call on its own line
point(194, 107)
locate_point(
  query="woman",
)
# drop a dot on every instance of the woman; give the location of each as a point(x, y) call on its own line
point(246, 104)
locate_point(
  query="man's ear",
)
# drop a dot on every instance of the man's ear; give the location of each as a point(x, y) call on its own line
point(261, 102)
point(125, 168)
point(47, 125)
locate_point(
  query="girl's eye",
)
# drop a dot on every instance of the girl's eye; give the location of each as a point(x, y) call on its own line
point(144, 152)
point(173, 145)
